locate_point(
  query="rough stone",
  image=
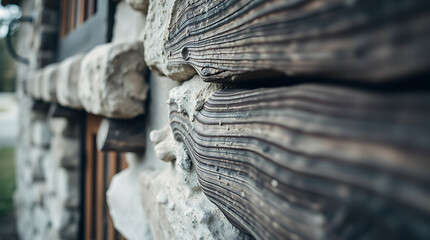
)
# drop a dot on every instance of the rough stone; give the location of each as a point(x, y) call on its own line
point(112, 76)
point(129, 24)
point(65, 127)
point(42, 222)
point(164, 143)
point(67, 83)
point(67, 188)
point(174, 202)
point(123, 198)
point(37, 156)
point(158, 18)
point(65, 151)
point(138, 5)
point(176, 211)
point(64, 220)
point(33, 85)
point(40, 133)
point(191, 94)
point(49, 82)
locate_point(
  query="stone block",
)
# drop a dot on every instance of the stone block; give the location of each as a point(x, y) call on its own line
point(138, 5)
point(33, 85)
point(63, 127)
point(67, 188)
point(64, 220)
point(176, 211)
point(37, 156)
point(40, 133)
point(50, 173)
point(65, 152)
point(112, 81)
point(125, 208)
point(41, 223)
point(164, 144)
point(38, 192)
point(128, 24)
point(67, 83)
point(49, 82)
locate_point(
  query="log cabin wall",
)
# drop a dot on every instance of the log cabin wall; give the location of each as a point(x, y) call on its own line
point(229, 119)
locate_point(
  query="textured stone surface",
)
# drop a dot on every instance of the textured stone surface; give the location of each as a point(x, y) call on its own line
point(174, 202)
point(36, 163)
point(65, 151)
point(49, 82)
point(123, 198)
point(158, 18)
point(163, 140)
point(191, 95)
point(67, 84)
point(112, 76)
point(40, 133)
point(68, 185)
point(177, 211)
point(139, 5)
point(68, 128)
point(34, 84)
point(129, 24)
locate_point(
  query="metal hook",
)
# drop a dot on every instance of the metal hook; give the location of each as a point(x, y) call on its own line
point(9, 44)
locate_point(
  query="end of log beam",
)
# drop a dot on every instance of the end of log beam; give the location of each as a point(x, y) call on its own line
point(314, 162)
point(361, 40)
point(40, 106)
point(122, 135)
point(58, 111)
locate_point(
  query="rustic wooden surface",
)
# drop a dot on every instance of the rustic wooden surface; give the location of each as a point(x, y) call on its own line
point(99, 170)
point(40, 106)
point(123, 135)
point(314, 162)
point(56, 110)
point(363, 40)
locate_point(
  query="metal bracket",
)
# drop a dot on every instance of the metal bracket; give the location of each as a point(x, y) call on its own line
point(9, 44)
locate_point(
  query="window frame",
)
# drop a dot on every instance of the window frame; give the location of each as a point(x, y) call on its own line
point(96, 30)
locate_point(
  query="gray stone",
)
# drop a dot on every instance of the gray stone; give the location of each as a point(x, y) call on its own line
point(67, 188)
point(138, 5)
point(37, 156)
point(164, 143)
point(68, 128)
point(112, 77)
point(129, 24)
point(33, 84)
point(65, 151)
point(176, 211)
point(64, 220)
point(40, 133)
point(49, 82)
point(67, 83)
point(37, 192)
point(123, 198)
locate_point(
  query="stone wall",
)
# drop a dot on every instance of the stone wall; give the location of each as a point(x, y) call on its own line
point(236, 146)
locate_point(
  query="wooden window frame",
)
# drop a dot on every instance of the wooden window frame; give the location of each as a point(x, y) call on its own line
point(95, 30)
point(99, 168)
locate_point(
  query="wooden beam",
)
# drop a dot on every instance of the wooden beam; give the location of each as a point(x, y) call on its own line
point(58, 111)
point(40, 106)
point(313, 161)
point(122, 135)
point(362, 40)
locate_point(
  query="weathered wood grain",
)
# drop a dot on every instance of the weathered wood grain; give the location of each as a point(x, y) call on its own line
point(122, 135)
point(40, 106)
point(314, 162)
point(58, 111)
point(363, 40)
